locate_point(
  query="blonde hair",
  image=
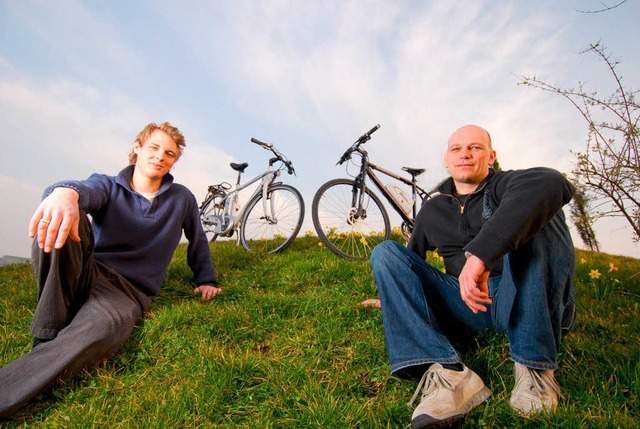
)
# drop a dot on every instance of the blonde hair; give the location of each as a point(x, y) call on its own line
point(165, 127)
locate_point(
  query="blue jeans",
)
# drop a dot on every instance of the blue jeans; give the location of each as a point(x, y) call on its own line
point(533, 302)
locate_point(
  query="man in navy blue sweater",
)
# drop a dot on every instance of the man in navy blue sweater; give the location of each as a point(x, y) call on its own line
point(96, 279)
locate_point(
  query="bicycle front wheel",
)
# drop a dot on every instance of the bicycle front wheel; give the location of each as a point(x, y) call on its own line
point(270, 226)
point(344, 234)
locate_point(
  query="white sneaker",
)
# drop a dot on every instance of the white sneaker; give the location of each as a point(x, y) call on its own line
point(447, 396)
point(536, 390)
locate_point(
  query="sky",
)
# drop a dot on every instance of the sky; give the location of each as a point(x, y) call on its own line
point(80, 79)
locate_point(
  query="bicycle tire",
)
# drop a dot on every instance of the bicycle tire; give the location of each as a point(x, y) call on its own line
point(258, 234)
point(345, 237)
point(207, 210)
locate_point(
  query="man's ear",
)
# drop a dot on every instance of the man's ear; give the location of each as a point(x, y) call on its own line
point(494, 156)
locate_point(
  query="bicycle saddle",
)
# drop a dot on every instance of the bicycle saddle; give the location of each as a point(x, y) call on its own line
point(414, 171)
point(239, 167)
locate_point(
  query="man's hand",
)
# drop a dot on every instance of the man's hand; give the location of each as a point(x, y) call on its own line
point(56, 218)
point(207, 291)
point(474, 286)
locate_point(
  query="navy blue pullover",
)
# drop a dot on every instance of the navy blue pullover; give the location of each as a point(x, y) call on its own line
point(137, 238)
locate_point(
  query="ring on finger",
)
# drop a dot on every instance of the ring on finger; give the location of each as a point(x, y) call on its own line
point(45, 221)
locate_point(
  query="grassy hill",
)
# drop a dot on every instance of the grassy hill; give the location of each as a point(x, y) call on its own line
point(288, 345)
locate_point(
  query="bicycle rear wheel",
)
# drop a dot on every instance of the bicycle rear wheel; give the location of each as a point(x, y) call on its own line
point(333, 219)
point(210, 216)
point(259, 232)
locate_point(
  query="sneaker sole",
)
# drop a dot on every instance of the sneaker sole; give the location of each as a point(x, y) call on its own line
point(425, 420)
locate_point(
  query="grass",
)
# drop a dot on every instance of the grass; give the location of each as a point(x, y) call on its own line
point(288, 345)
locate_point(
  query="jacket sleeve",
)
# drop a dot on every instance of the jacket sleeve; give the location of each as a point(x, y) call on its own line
point(419, 243)
point(525, 201)
point(94, 192)
point(198, 251)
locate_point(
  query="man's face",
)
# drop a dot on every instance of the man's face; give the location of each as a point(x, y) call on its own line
point(469, 156)
point(156, 155)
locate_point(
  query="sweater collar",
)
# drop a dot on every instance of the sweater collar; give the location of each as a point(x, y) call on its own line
point(126, 174)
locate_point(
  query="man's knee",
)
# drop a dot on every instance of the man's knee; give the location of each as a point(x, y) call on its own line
point(384, 251)
point(107, 323)
point(105, 339)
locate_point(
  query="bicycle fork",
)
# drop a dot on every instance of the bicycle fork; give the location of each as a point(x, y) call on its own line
point(268, 204)
point(357, 202)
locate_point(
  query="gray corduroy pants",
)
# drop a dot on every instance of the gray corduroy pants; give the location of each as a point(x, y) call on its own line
point(85, 309)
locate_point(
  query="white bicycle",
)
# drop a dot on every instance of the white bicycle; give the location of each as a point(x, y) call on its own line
point(272, 217)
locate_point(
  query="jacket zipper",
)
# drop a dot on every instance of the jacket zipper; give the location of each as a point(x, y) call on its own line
point(462, 206)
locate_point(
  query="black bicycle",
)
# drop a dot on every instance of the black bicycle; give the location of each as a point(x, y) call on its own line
point(350, 219)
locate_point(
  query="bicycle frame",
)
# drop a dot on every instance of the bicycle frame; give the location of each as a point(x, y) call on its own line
point(367, 170)
point(231, 201)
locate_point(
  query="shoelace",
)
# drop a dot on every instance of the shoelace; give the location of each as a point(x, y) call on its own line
point(540, 383)
point(430, 378)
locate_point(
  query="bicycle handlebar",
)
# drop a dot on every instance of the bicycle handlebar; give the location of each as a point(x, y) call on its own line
point(366, 136)
point(361, 140)
point(279, 156)
point(263, 144)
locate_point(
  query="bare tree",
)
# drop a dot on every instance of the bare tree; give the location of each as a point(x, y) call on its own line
point(605, 8)
point(609, 167)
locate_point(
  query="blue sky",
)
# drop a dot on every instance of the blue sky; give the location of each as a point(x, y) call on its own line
point(79, 79)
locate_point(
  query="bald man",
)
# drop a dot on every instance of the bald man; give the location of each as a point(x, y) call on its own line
point(509, 263)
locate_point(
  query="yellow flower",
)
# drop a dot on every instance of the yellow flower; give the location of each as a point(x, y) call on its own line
point(595, 274)
point(583, 261)
point(612, 267)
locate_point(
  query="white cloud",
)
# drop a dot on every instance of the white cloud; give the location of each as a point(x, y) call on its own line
point(60, 127)
point(308, 76)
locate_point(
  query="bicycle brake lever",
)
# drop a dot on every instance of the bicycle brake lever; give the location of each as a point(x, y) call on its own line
point(290, 168)
point(347, 155)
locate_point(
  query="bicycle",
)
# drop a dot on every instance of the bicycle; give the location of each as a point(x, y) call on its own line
point(349, 217)
point(272, 217)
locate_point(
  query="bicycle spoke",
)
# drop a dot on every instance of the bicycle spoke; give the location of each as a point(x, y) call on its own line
point(336, 225)
point(273, 231)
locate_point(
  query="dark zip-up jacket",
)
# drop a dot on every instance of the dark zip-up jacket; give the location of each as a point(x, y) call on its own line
point(506, 210)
